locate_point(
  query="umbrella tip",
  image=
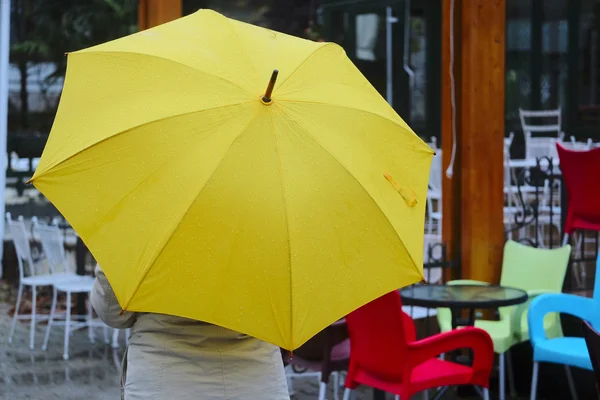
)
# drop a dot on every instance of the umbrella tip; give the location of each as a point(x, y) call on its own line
point(266, 99)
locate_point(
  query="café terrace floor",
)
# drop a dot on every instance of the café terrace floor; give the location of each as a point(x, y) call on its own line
point(92, 371)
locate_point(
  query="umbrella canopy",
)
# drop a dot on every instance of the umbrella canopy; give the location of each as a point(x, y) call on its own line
point(204, 195)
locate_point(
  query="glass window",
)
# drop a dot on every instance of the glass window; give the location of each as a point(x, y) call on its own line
point(589, 65)
point(418, 63)
point(368, 36)
point(554, 68)
point(518, 60)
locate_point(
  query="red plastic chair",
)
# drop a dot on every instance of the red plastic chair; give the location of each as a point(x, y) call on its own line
point(385, 355)
point(583, 194)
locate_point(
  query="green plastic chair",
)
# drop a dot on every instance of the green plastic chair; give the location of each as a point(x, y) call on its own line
point(534, 270)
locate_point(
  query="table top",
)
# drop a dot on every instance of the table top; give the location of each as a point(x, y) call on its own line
point(462, 296)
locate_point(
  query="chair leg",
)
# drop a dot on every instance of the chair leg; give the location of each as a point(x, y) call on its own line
point(336, 385)
point(106, 336)
point(115, 339)
point(16, 314)
point(425, 395)
point(322, 390)
point(534, 380)
point(67, 327)
point(571, 383)
point(511, 375)
point(347, 394)
point(33, 307)
point(396, 397)
point(486, 393)
point(91, 335)
point(501, 377)
point(291, 390)
point(50, 319)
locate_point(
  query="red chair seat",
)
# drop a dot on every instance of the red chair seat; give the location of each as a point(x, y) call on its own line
point(444, 372)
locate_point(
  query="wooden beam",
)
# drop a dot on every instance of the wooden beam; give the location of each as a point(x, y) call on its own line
point(155, 12)
point(482, 138)
point(473, 225)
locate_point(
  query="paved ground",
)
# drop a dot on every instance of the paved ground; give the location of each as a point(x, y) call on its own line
point(91, 373)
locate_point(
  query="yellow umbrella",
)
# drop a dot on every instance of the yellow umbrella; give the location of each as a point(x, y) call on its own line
point(205, 196)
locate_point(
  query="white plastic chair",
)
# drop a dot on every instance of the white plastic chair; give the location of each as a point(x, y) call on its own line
point(53, 246)
point(30, 274)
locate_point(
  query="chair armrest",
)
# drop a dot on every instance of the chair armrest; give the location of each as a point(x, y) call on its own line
point(580, 307)
point(469, 337)
point(519, 310)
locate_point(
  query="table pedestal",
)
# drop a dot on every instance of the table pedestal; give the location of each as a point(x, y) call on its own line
point(80, 253)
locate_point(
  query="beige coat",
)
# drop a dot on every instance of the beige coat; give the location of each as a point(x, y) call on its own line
point(176, 358)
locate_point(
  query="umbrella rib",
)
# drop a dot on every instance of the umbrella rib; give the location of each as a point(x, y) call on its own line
point(357, 110)
point(115, 53)
point(287, 226)
point(359, 183)
point(235, 33)
point(304, 62)
point(168, 117)
point(170, 235)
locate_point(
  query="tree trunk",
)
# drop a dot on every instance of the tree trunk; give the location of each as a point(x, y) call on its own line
point(24, 95)
point(20, 21)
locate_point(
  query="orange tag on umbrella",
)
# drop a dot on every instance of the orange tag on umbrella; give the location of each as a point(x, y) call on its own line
point(407, 194)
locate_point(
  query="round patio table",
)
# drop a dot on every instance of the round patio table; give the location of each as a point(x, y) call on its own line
point(462, 297)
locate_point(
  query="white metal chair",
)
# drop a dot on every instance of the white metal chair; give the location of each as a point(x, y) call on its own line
point(30, 274)
point(581, 146)
point(551, 121)
point(433, 144)
point(546, 122)
point(434, 213)
point(508, 142)
point(53, 246)
point(538, 147)
point(512, 203)
point(115, 338)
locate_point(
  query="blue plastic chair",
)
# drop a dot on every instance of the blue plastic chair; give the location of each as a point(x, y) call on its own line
point(570, 351)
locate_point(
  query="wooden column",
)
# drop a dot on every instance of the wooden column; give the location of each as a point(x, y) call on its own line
point(451, 204)
point(474, 197)
point(155, 12)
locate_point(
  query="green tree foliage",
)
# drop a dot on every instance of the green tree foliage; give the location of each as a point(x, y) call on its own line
point(43, 30)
